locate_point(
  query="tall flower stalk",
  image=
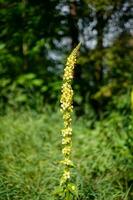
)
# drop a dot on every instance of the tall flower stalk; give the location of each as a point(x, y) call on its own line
point(66, 101)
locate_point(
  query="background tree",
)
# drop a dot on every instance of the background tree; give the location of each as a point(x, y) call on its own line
point(37, 35)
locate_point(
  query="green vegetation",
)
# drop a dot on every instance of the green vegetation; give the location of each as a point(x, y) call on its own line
point(30, 151)
point(35, 38)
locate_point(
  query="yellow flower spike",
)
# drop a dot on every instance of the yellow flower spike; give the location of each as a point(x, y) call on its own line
point(66, 109)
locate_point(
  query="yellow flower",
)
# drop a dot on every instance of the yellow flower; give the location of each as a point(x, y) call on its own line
point(66, 150)
point(65, 177)
point(66, 116)
point(66, 174)
point(71, 61)
point(73, 187)
point(67, 161)
point(67, 132)
point(66, 140)
point(66, 98)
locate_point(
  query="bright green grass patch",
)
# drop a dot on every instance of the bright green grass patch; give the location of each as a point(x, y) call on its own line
point(30, 151)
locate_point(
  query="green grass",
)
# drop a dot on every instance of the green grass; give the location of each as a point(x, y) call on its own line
point(30, 151)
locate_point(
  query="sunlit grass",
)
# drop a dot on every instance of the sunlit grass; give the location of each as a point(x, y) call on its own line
point(30, 151)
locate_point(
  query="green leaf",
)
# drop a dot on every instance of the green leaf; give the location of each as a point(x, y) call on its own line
point(58, 191)
point(68, 196)
point(21, 98)
point(44, 88)
point(23, 78)
point(37, 82)
point(2, 46)
point(73, 189)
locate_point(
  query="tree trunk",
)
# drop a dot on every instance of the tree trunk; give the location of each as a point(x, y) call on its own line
point(73, 20)
point(100, 34)
point(74, 34)
point(24, 42)
point(98, 76)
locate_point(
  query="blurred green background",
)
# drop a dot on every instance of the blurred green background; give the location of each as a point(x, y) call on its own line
point(35, 39)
